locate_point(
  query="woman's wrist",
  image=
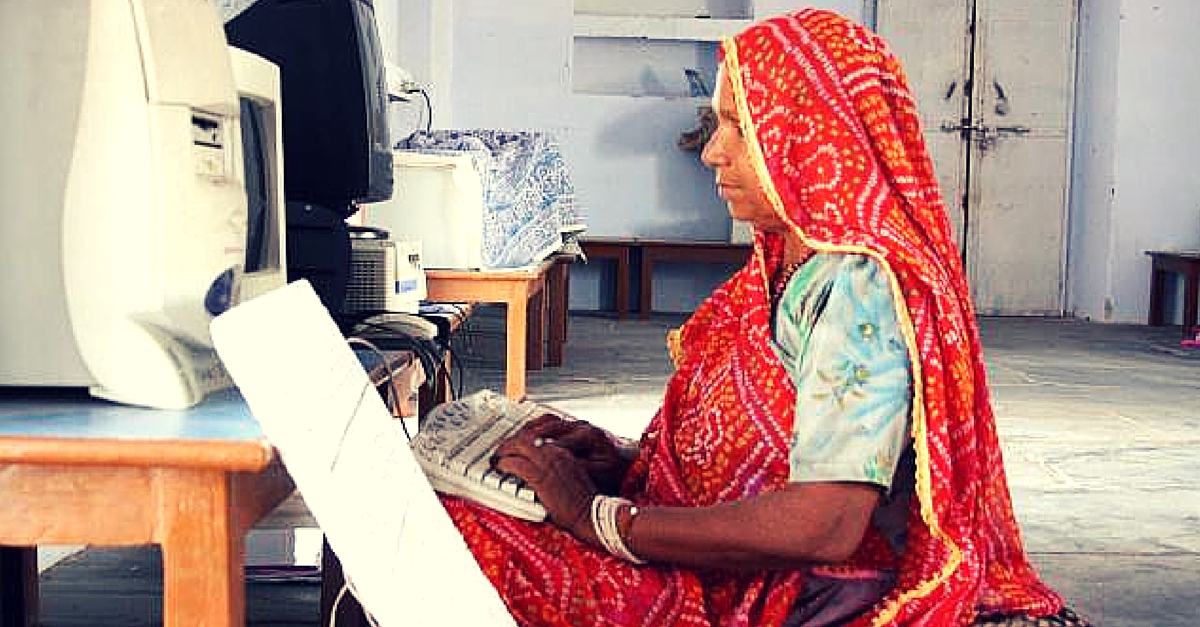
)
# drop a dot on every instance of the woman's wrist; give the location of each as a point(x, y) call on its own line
point(612, 521)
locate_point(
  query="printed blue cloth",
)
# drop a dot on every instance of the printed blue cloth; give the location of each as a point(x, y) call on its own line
point(529, 201)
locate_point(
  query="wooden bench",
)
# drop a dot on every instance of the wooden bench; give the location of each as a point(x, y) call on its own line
point(1164, 264)
point(644, 253)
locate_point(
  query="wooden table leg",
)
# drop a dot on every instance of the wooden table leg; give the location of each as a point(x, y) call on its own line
point(558, 288)
point(536, 325)
point(1191, 291)
point(621, 297)
point(645, 300)
point(203, 554)
point(1158, 283)
point(514, 368)
point(565, 300)
point(18, 586)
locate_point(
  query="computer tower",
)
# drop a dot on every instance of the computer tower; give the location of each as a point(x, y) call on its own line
point(385, 274)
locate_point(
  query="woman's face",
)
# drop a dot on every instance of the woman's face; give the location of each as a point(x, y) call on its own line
point(727, 153)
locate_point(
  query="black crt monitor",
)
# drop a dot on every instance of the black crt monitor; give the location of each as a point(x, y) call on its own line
point(335, 134)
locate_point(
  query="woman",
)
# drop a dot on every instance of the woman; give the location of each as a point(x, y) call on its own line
point(825, 453)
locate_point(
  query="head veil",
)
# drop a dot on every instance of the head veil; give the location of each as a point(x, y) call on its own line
point(836, 138)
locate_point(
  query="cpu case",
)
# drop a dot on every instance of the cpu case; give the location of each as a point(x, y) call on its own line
point(385, 274)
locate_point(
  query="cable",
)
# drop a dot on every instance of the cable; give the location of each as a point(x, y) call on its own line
point(338, 600)
point(407, 141)
point(455, 365)
point(428, 111)
point(392, 400)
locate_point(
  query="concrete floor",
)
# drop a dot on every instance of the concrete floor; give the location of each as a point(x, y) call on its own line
point(1100, 426)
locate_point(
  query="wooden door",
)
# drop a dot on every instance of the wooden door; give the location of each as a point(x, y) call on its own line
point(1006, 184)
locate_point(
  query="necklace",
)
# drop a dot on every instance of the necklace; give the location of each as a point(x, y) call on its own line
point(779, 284)
point(783, 275)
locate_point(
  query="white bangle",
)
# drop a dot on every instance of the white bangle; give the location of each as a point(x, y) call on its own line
point(604, 524)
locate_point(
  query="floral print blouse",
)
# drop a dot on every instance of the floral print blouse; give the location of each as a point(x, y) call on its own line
point(837, 334)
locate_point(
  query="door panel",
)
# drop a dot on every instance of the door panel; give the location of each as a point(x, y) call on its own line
point(949, 154)
point(1015, 233)
point(1025, 61)
point(933, 45)
point(1024, 67)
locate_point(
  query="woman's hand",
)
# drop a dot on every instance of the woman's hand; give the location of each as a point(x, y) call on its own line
point(560, 480)
point(591, 446)
point(596, 450)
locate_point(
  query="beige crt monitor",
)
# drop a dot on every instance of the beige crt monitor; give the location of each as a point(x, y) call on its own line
point(124, 215)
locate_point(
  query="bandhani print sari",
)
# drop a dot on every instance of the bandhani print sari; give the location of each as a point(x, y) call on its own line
point(835, 134)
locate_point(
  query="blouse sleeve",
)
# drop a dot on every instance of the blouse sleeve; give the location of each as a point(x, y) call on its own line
point(837, 333)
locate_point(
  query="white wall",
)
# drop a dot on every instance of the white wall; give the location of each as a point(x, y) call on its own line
point(417, 35)
point(1134, 183)
point(1093, 182)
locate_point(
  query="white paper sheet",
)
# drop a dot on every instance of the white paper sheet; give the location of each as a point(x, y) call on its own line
point(398, 548)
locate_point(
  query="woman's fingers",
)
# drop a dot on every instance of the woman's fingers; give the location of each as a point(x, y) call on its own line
point(561, 483)
point(582, 438)
point(543, 429)
point(523, 467)
point(519, 444)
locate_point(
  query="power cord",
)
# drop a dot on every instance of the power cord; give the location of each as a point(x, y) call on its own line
point(346, 587)
point(430, 351)
point(391, 400)
point(428, 110)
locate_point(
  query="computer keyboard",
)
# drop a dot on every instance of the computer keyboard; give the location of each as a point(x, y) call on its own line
point(455, 444)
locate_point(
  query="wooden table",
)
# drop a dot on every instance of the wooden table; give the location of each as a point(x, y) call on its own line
point(1163, 264)
point(76, 470)
point(536, 303)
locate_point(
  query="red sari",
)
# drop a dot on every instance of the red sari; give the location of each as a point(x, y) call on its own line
point(835, 135)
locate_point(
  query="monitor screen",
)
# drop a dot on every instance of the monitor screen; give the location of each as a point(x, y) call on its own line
point(262, 173)
point(258, 194)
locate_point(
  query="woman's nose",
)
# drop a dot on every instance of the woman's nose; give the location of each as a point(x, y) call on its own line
point(712, 155)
